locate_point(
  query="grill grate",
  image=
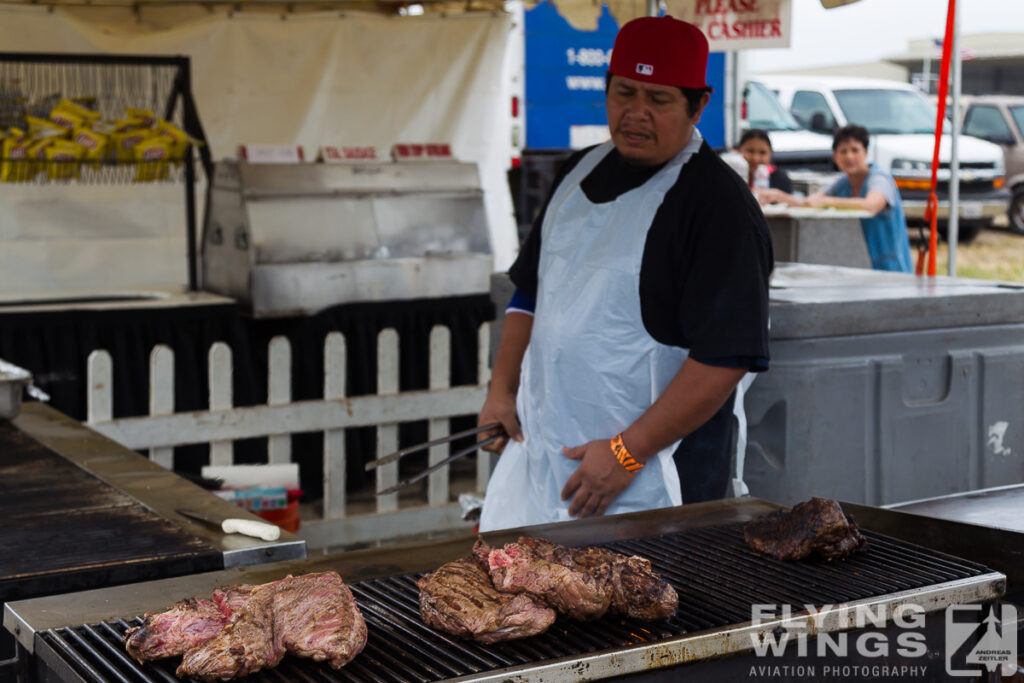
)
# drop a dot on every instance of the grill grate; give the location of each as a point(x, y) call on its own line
point(716, 575)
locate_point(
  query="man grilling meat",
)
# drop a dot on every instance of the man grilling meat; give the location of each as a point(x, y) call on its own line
point(641, 301)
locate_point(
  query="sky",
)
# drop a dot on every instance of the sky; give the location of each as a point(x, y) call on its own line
point(869, 30)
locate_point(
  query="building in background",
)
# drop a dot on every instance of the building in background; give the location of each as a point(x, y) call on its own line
point(993, 64)
point(880, 69)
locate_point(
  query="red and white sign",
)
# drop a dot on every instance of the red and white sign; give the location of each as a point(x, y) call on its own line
point(421, 151)
point(333, 155)
point(737, 24)
point(271, 154)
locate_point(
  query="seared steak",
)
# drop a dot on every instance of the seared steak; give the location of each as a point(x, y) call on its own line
point(504, 593)
point(518, 568)
point(317, 617)
point(582, 583)
point(188, 623)
point(241, 648)
point(817, 526)
point(459, 599)
point(233, 597)
point(635, 588)
point(313, 615)
point(637, 591)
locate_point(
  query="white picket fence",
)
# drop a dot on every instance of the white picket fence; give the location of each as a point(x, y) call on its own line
point(223, 423)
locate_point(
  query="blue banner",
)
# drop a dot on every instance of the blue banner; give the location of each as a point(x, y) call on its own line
point(565, 75)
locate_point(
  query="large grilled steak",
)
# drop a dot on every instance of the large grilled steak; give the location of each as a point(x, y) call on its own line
point(242, 647)
point(313, 615)
point(519, 568)
point(188, 623)
point(459, 599)
point(582, 583)
point(636, 589)
point(817, 526)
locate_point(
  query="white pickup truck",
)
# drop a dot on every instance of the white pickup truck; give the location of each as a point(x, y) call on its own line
point(901, 122)
point(794, 147)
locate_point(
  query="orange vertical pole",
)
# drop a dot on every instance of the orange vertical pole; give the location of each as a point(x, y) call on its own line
point(932, 209)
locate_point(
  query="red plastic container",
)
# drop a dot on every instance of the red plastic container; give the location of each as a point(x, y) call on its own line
point(287, 518)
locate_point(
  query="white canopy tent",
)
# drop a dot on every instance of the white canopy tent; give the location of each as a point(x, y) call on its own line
point(301, 73)
point(310, 78)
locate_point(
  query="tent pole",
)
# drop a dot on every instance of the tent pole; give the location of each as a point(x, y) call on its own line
point(954, 159)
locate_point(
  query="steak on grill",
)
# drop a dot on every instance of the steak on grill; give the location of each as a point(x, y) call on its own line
point(636, 589)
point(817, 526)
point(190, 622)
point(242, 647)
point(313, 615)
point(519, 568)
point(597, 579)
point(459, 599)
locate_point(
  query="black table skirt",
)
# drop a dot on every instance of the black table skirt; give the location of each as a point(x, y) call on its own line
point(55, 346)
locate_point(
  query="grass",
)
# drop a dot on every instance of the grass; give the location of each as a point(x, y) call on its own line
point(993, 255)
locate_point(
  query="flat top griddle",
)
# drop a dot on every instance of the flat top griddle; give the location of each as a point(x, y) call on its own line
point(998, 507)
point(717, 577)
point(65, 529)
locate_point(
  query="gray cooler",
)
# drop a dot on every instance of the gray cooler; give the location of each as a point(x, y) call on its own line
point(887, 387)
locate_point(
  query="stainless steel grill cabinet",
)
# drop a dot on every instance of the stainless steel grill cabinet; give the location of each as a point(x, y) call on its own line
point(293, 239)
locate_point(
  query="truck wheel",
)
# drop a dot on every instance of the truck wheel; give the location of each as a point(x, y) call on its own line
point(1016, 210)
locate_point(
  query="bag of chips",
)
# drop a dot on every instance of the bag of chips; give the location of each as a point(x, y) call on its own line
point(145, 117)
point(79, 106)
point(14, 164)
point(95, 145)
point(153, 155)
point(180, 138)
point(35, 156)
point(123, 141)
point(63, 159)
point(66, 119)
point(41, 128)
point(71, 115)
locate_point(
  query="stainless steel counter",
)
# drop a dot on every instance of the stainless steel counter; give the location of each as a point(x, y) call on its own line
point(64, 301)
point(808, 301)
point(156, 488)
point(1000, 507)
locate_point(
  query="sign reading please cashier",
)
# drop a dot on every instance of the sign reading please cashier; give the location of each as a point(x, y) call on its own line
point(737, 24)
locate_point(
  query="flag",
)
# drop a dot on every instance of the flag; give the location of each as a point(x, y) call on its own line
point(966, 53)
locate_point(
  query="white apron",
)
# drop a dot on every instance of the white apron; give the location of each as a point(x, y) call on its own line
point(591, 369)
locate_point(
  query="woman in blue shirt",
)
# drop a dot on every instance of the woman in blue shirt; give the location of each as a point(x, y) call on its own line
point(862, 186)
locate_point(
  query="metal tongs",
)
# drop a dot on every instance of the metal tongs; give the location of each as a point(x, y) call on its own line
point(374, 464)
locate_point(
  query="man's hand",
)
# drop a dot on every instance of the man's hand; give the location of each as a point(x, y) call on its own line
point(597, 482)
point(500, 406)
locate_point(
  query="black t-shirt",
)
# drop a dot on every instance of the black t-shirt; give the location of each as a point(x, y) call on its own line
point(779, 180)
point(706, 261)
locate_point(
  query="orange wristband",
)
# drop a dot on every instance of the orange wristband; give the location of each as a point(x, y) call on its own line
point(622, 454)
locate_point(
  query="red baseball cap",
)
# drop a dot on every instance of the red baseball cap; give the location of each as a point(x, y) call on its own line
point(661, 50)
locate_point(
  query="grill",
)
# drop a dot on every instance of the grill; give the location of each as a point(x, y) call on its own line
point(717, 577)
point(82, 512)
